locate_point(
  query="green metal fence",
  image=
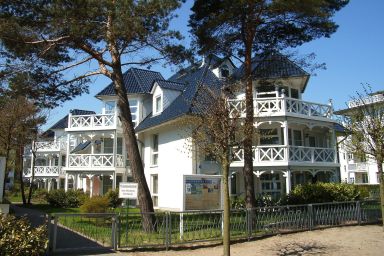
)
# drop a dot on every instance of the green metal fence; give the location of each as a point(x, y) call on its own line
point(127, 230)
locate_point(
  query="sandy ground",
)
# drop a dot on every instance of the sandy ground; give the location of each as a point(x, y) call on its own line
point(356, 240)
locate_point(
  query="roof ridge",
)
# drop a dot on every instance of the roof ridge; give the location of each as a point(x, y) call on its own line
point(138, 80)
point(147, 70)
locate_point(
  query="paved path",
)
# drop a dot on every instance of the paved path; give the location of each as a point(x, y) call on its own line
point(66, 239)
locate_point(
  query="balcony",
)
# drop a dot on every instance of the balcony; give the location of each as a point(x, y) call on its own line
point(92, 161)
point(363, 167)
point(92, 122)
point(49, 146)
point(367, 100)
point(280, 106)
point(283, 155)
point(44, 171)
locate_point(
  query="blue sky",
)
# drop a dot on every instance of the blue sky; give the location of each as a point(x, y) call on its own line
point(353, 55)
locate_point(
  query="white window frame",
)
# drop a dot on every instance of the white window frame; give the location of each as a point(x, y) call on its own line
point(155, 194)
point(154, 152)
point(157, 110)
point(109, 111)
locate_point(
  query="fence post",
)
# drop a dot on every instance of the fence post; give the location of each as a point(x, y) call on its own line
point(114, 235)
point(55, 219)
point(49, 231)
point(118, 231)
point(167, 230)
point(181, 226)
point(358, 212)
point(311, 221)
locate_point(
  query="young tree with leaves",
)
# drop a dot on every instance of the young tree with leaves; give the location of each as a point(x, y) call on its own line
point(364, 125)
point(102, 37)
point(20, 119)
point(244, 29)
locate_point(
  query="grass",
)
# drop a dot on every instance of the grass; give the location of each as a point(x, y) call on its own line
point(196, 227)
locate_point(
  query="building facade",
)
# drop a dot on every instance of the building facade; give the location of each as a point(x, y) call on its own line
point(355, 169)
point(297, 142)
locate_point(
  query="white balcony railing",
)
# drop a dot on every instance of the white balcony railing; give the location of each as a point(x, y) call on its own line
point(44, 171)
point(367, 100)
point(95, 160)
point(281, 106)
point(276, 154)
point(97, 121)
point(358, 167)
point(49, 145)
point(312, 155)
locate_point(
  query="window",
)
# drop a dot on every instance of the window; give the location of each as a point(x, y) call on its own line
point(110, 107)
point(108, 146)
point(155, 149)
point(155, 189)
point(297, 138)
point(271, 185)
point(233, 184)
point(269, 137)
point(157, 104)
point(119, 149)
point(134, 106)
point(294, 93)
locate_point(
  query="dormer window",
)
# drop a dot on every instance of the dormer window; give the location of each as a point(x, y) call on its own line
point(224, 71)
point(158, 105)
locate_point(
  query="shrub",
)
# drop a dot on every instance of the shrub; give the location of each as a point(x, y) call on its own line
point(322, 193)
point(69, 199)
point(97, 204)
point(369, 191)
point(57, 198)
point(18, 238)
point(75, 198)
point(237, 202)
point(39, 195)
point(113, 198)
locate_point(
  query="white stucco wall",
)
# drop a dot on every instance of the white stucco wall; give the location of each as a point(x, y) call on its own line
point(174, 160)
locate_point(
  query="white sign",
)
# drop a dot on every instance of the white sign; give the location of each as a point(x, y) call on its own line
point(128, 190)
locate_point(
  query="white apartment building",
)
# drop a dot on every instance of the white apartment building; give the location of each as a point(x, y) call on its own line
point(297, 143)
point(352, 168)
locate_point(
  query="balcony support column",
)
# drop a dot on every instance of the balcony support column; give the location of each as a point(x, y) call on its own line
point(90, 177)
point(113, 177)
point(114, 148)
point(68, 150)
point(287, 175)
point(66, 182)
point(49, 184)
point(286, 139)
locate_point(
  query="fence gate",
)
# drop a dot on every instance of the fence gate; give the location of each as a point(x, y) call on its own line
point(81, 232)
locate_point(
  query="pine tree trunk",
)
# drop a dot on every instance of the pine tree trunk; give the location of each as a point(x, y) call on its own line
point(226, 210)
point(144, 195)
point(381, 175)
point(248, 129)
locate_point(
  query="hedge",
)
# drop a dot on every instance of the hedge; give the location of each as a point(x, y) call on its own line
point(322, 193)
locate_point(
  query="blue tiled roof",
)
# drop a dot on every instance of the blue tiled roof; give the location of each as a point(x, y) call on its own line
point(274, 65)
point(170, 85)
point(339, 128)
point(135, 81)
point(195, 77)
point(63, 123)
